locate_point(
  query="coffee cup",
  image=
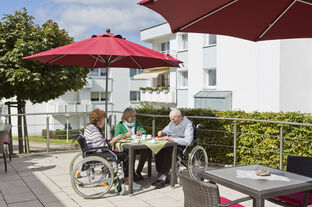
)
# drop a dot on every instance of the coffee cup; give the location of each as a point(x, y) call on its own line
point(148, 136)
point(136, 140)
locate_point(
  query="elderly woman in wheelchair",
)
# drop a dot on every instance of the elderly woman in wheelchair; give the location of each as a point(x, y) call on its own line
point(100, 167)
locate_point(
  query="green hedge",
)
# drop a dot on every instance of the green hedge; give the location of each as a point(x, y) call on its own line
point(255, 140)
point(59, 134)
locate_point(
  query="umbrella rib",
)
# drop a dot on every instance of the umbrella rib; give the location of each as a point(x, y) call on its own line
point(171, 63)
point(98, 59)
point(118, 58)
point(103, 61)
point(95, 62)
point(136, 62)
point(305, 2)
point(207, 15)
point(280, 16)
point(55, 59)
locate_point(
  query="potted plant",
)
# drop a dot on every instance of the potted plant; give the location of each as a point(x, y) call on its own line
point(142, 89)
point(157, 89)
point(149, 89)
point(165, 89)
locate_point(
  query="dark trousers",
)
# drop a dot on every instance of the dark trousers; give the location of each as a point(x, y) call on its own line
point(143, 157)
point(163, 160)
point(164, 157)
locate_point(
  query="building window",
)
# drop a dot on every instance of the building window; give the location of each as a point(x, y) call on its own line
point(209, 39)
point(98, 72)
point(183, 41)
point(135, 96)
point(210, 77)
point(99, 96)
point(184, 78)
point(165, 47)
point(134, 72)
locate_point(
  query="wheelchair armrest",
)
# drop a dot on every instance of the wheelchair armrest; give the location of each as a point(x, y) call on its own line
point(103, 148)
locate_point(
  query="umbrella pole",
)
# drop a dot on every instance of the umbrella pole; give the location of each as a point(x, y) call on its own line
point(106, 111)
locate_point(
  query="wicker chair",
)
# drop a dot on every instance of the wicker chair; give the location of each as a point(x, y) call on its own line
point(204, 194)
point(301, 166)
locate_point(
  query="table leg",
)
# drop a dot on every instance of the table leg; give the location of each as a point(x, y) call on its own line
point(258, 202)
point(149, 163)
point(173, 166)
point(131, 154)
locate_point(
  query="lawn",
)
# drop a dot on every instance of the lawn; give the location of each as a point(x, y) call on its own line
point(41, 139)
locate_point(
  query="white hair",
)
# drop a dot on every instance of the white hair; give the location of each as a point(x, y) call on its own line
point(174, 112)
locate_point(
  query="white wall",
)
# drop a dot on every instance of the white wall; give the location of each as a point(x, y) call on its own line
point(296, 75)
point(195, 66)
point(120, 92)
point(251, 70)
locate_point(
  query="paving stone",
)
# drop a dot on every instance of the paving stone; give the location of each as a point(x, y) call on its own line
point(132, 202)
point(165, 202)
point(34, 203)
point(19, 197)
point(3, 204)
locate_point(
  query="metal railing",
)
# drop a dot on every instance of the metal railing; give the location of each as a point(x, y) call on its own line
point(112, 121)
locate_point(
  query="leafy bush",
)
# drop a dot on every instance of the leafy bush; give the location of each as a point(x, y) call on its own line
point(59, 134)
point(257, 142)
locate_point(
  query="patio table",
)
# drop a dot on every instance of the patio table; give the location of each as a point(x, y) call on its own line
point(131, 147)
point(241, 178)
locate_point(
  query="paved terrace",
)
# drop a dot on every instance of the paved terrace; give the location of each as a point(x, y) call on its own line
point(43, 180)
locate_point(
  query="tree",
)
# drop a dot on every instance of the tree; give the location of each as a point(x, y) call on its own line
point(27, 79)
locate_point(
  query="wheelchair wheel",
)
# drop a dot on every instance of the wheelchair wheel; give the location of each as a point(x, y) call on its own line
point(198, 160)
point(78, 157)
point(92, 177)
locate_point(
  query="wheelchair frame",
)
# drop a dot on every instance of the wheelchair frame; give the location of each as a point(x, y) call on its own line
point(188, 156)
point(99, 172)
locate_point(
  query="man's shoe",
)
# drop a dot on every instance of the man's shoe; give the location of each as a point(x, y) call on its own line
point(160, 184)
point(155, 182)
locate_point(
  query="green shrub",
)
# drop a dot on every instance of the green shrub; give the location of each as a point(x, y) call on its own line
point(257, 142)
point(59, 134)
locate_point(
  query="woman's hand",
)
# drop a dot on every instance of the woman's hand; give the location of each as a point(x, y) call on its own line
point(115, 139)
point(128, 134)
point(139, 133)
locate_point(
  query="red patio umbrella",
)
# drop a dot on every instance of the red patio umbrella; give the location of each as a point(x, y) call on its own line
point(254, 20)
point(106, 50)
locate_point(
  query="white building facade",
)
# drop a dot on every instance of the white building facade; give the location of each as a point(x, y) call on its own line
point(227, 73)
point(123, 91)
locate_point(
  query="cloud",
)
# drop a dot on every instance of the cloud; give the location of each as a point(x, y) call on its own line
point(82, 17)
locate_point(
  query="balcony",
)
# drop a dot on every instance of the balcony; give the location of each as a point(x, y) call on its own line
point(160, 97)
point(71, 108)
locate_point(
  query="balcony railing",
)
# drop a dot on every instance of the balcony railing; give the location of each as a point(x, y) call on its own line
point(160, 97)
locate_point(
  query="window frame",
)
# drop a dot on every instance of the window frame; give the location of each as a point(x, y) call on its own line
point(207, 78)
point(138, 96)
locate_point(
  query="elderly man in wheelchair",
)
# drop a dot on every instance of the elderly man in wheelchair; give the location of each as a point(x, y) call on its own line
point(101, 168)
point(192, 156)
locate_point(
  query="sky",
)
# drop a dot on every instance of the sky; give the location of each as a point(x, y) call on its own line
point(83, 18)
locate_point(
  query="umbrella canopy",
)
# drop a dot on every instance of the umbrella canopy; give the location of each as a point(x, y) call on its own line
point(106, 50)
point(248, 19)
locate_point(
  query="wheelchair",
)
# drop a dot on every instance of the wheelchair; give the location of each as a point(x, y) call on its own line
point(193, 157)
point(93, 176)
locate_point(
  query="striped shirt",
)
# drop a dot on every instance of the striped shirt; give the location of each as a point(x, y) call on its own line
point(94, 137)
